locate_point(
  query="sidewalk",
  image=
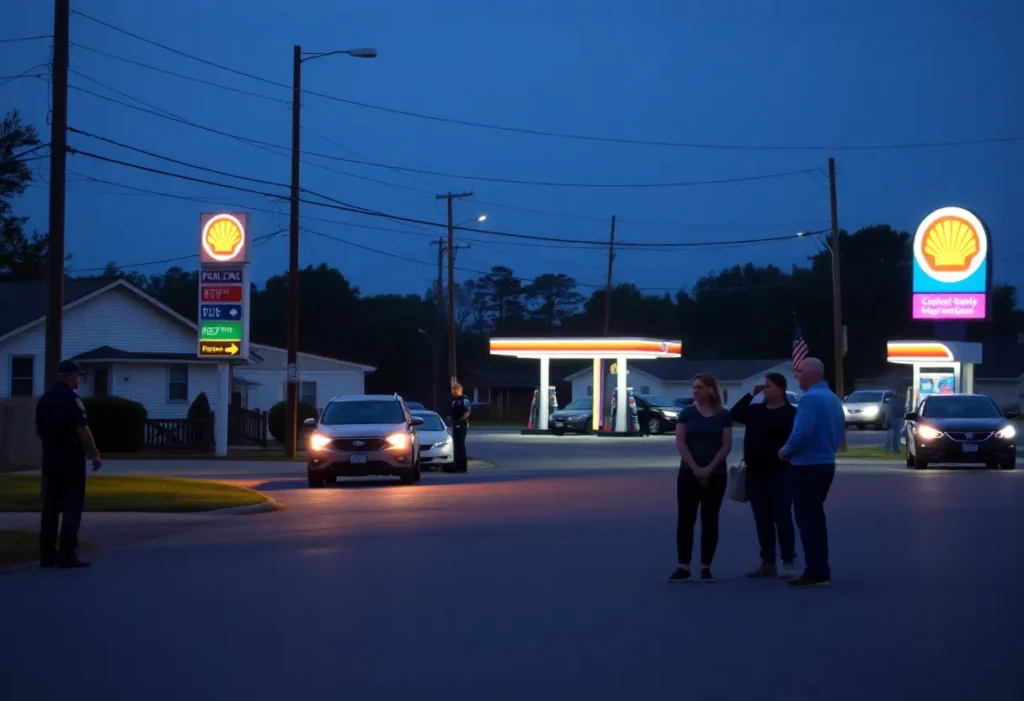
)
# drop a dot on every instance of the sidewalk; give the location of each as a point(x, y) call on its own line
point(107, 529)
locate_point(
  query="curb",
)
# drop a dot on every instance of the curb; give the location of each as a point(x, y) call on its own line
point(263, 507)
point(476, 464)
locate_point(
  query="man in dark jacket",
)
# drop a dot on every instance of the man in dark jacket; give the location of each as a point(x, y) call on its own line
point(458, 419)
point(63, 428)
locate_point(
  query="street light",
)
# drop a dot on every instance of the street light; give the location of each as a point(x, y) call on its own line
point(292, 413)
point(434, 369)
point(482, 217)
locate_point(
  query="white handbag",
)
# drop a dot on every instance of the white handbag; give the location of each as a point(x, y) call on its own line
point(738, 482)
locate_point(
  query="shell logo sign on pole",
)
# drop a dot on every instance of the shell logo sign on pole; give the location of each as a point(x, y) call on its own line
point(223, 239)
point(951, 267)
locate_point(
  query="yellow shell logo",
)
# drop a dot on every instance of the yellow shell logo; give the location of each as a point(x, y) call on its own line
point(223, 237)
point(951, 244)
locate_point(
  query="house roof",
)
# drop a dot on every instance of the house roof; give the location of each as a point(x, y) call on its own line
point(109, 353)
point(24, 301)
point(683, 370)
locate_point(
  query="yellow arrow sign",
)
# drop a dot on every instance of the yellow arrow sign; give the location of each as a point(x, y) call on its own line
point(215, 348)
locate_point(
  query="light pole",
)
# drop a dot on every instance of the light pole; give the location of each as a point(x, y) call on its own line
point(292, 413)
point(433, 370)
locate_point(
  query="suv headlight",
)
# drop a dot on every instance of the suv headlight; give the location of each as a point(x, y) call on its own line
point(870, 410)
point(1006, 433)
point(928, 433)
point(398, 440)
point(319, 441)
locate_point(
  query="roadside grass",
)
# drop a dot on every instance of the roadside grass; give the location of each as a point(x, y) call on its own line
point(132, 493)
point(18, 546)
point(270, 453)
point(870, 452)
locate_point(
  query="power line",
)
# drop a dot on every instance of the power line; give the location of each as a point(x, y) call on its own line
point(483, 178)
point(411, 220)
point(19, 39)
point(565, 135)
point(27, 73)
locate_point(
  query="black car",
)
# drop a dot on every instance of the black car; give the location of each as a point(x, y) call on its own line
point(659, 413)
point(575, 417)
point(961, 428)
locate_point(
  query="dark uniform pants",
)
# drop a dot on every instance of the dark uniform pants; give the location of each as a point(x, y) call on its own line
point(459, 432)
point(63, 493)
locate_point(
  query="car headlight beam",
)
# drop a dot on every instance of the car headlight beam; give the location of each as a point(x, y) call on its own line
point(398, 440)
point(319, 441)
point(1006, 433)
point(928, 433)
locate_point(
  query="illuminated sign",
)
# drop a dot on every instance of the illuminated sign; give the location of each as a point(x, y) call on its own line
point(635, 348)
point(951, 267)
point(218, 348)
point(920, 352)
point(222, 238)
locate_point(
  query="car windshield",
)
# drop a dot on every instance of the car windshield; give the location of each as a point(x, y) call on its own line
point(415, 406)
point(431, 422)
point(578, 404)
point(960, 407)
point(371, 411)
point(657, 400)
point(864, 396)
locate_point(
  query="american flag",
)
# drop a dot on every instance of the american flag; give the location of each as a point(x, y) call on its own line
point(800, 349)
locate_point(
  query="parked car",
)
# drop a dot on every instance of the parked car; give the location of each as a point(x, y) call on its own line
point(436, 447)
point(575, 417)
point(364, 435)
point(416, 406)
point(869, 407)
point(961, 428)
point(663, 412)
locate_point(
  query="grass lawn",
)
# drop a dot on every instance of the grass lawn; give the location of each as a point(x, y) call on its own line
point(130, 493)
point(274, 453)
point(17, 546)
point(872, 452)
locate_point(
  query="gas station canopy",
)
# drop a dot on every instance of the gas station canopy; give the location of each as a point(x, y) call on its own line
point(938, 367)
point(597, 349)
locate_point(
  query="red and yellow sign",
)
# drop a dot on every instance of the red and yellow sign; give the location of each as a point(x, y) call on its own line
point(586, 347)
point(918, 351)
point(223, 238)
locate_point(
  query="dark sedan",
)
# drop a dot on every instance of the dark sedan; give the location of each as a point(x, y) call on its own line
point(961, 428)
point(657, 412)
point(574, 417)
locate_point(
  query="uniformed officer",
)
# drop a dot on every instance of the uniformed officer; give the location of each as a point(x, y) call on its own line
point(64, 431)
point(459, 420)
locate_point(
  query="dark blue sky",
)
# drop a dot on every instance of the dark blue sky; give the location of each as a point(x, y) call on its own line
point(743, 72)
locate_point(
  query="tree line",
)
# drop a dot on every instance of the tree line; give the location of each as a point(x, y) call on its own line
point(744, 311)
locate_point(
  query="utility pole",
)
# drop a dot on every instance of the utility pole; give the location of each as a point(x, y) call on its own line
point(292, 398)
point(608, 285)
point(439, 326)
point(58, 175)
point(451, 280)
point(837, 302)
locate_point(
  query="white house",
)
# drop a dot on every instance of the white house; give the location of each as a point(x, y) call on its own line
point(130, 345)
point(672, 378)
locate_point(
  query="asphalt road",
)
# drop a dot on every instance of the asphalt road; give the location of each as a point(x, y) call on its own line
point(543, 583)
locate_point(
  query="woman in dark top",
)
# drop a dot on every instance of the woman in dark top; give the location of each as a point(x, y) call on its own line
point(703, 439)
point(768, 426)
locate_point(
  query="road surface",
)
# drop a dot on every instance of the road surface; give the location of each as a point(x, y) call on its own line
point(532, 581)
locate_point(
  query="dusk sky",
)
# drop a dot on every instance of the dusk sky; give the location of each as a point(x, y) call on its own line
point(739, 73)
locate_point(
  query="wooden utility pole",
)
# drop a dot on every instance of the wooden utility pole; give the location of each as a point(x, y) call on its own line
point(837, 302)
point(451, 280)
point(608, 284)
point(58, 176)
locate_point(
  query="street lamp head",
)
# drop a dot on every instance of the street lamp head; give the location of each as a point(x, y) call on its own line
point(362, 53)
point(482, 217)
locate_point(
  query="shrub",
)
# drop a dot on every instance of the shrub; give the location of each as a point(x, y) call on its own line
point(117, 424)
point(200, 407)
point(276, 420)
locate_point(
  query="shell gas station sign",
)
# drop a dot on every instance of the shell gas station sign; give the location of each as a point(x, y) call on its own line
point(223, 286)
point(951, 267)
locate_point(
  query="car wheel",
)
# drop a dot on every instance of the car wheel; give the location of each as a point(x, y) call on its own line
point(654, 426)
point(412, 476)
point(921, 463)
point(331, 479)
point(910, 457)
point(315, 481)
point(557, 433)
point(1011, 462)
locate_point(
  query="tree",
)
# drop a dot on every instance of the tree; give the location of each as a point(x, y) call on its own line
point(499, 297)
point(554, 298)
point(21, 256)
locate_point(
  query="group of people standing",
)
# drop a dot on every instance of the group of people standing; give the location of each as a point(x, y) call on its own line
point(789, 453)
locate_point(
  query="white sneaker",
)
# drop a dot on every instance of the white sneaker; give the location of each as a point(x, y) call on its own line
point(788, 571)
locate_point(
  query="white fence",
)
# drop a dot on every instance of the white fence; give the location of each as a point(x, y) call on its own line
point(20, 448)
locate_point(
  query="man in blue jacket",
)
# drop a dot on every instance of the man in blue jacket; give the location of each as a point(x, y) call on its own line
point(818, 431)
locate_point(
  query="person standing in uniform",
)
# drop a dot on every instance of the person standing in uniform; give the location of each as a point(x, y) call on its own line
point(897, 420)
point(459, 420)
point(818, 431)
point(63, 428)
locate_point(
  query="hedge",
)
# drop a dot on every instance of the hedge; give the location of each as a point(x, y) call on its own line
point(276, 419)
point(117, 424)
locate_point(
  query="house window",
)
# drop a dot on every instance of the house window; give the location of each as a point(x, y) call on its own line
point(177, 382)
point(307, 393)
point(101, 382)
point(481, 395)
point(645, 389)
point(22, 375)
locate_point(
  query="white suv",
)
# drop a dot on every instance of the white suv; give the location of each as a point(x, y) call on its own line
point(364, 435)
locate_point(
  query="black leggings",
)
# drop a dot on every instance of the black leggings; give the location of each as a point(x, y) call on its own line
point(691, 495)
